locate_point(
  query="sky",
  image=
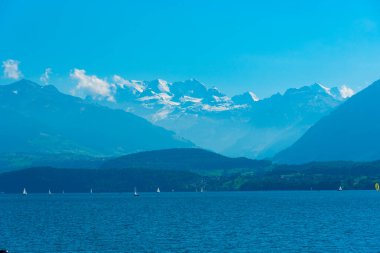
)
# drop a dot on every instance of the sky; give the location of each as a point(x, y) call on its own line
point(235, 45)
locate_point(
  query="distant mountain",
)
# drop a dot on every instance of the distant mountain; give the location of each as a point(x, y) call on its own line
point(40, 119)
point(187, 159)
point(242, 125)
point(351, 132)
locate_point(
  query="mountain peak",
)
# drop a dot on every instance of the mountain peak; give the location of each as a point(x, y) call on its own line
point(29, 86)
point(246, 98)
point(253, 96)
point(318, 86)
point(348, 133)
point(25, 83)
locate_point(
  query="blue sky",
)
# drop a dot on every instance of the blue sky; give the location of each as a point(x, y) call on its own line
point(263, 46)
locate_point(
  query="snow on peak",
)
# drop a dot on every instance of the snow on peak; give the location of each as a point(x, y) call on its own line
point(253, 96)
point(318, 86)
point(211, 108)
point(339, 93)
point(247, 98)
point(163, 85)
point(190, 99)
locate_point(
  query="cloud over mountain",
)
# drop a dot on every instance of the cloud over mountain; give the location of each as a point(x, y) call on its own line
point(45, 77)
point(91, 85)
point(346, 92)
point(11, 69)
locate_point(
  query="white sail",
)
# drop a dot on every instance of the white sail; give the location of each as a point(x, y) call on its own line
point(135, 193)
point(49, 192)
point(91, 190)
point(24, 192)
point(158, 190)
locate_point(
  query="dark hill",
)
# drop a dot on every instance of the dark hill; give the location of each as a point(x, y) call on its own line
point(190, 159)
point(40, 180)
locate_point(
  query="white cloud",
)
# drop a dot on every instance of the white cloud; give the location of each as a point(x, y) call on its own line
point(45, 77)
point(11, 69)
point(136, 85)
point(346, 92)
point(92, 85)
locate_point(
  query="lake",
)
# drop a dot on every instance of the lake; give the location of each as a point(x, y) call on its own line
point(289, 221)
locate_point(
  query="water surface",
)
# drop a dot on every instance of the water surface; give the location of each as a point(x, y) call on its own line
point(325, 221)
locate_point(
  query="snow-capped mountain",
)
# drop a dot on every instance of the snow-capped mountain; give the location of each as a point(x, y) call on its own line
point(40, 119)
point(242, 125)
point(187, 96)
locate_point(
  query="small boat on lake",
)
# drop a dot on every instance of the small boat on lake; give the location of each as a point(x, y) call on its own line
point(91, 191)
point(135, 193)
point(158, 190)
point(340, 188)
point(24, 192)
point(49, 192)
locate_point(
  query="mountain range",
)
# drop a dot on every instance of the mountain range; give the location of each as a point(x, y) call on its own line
point(241, 125)
point(351, 133)
point(40, 119)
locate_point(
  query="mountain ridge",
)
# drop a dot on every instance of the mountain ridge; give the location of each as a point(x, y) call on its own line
point(42, 119)
point(348, 133)
point(240, 125)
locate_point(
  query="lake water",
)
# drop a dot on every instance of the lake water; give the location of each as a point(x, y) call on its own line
point(325, 221)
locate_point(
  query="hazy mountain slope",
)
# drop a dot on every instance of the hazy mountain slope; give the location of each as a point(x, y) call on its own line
point(277, 122)
point(17, 161)
point(351, 132)
point(41, 119)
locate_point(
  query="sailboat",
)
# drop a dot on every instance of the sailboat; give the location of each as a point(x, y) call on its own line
point(91, 191)
point(135, 193)
point(201, 189)
point(24, 192)
point(49, 192)
point(158, 190)
point(340, 188)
